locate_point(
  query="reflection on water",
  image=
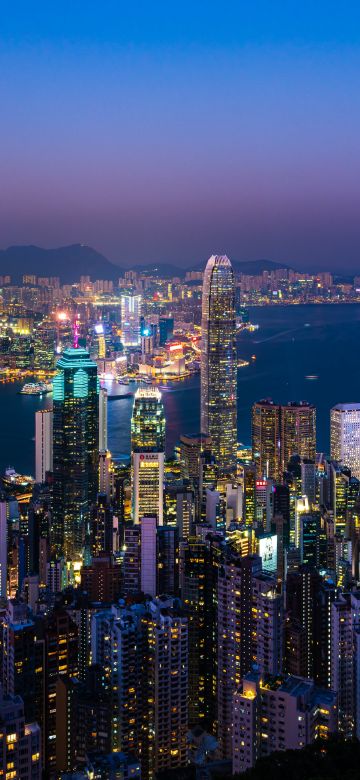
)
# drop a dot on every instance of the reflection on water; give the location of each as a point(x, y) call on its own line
point(287, 354)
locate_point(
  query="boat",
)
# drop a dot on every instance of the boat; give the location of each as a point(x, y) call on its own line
point(123, 380)
point(35, 388)
point(120, 397)
point(311, 376)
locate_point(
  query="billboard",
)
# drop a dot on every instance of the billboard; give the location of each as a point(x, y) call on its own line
point(268, 552)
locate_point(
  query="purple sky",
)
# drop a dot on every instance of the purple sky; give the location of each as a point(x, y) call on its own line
point(166, 138)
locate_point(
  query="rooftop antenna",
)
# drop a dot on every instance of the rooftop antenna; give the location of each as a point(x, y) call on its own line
point(76, 331)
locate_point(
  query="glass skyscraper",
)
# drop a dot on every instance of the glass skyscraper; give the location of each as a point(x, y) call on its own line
point(148, 452)
point(75, 451)
point(219, 361)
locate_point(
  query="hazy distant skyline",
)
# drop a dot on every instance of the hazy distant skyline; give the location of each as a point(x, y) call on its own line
point(168, 132)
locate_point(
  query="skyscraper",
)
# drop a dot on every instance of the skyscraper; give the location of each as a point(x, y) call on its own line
point(43, 443)
point(148, 451)
point(298, 431)
point(103, 398)
point(75, 450)
point(345, 436)
point(130, 320)
point(266, 438)
point(219, 361)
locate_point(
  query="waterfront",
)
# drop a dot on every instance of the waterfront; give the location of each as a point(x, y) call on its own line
point(293, 343)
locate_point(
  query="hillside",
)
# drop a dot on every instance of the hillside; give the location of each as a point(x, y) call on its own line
point(68, 262)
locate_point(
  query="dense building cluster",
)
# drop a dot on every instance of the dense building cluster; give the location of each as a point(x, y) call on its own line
point(200, 609)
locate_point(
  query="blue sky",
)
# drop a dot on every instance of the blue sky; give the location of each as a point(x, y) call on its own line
point(166, 131)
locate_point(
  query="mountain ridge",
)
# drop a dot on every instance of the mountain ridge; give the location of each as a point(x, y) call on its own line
point(74, 260)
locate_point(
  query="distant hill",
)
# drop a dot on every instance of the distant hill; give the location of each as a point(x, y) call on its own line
point(71, 262)
point(68, 262)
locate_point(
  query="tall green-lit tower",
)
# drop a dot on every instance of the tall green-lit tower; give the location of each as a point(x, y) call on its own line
point(75, 451)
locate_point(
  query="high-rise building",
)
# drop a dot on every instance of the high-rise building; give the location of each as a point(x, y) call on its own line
point(130, 320)
point(219, 361)
point(298, 431)
point(148, 452)
point(345, 436)
point(3, 549)
point(75, 450)
point(266, 439)
point(20, 742)
point(43, 443)
point(103, 398)
point(278, 713)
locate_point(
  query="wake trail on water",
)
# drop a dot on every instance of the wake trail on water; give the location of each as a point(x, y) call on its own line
point(278, 335)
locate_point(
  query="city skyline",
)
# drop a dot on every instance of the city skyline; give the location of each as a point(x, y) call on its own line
point(234, 131)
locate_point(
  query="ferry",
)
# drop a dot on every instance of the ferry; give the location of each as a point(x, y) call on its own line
point(35, 388)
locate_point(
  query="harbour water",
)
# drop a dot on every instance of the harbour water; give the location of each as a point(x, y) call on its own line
point(301, 353)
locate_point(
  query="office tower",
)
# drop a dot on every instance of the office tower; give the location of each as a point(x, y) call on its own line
point(298, 431)
point(20, 741)
point(44, 346)
point(191, 447)
point(148, 449)
point(278, 713)
point(166, 329)
point(103, 440)
point(179, 509)
point(102, 526)
point(167, 560)
point(281, 507)
point(131, 561)
point(219, 362)
point(313, 543)
point(105, 473)
point(3, 549)
point(209, 473)
point(266, 439)
point(324, 595)
point(43, 443)
point(345, 436)
point(249, 489)
point(339, 485)
point(130, 320)
point(148, 561)
point(75, 450)
point(308, 479)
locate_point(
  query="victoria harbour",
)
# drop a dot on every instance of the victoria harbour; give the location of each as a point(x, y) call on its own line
point(298, 352)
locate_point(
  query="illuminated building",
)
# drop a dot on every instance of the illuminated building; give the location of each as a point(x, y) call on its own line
point(345, 613)
point(196, 593)
point(249, 493)
point(191, 448)
point(144, 651)
point(103, 400)
point(345, 436)
point(148, 452)
point(75, 450)
point(166, 329)
point(3, 548)
point(298, 431)
point(43, 443)
point(267, 624)
point(130, 320)
point(266, 439)
point(44, 346)
point(20, 742)
point(83, 719)
point(278, 713)
point(219, 362)
point(21, 658)
point(235, 626)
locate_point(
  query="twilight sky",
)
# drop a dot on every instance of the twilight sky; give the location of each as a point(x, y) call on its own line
point(165, 131)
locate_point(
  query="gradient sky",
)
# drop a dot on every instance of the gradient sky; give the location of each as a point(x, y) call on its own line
point(165, 131)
